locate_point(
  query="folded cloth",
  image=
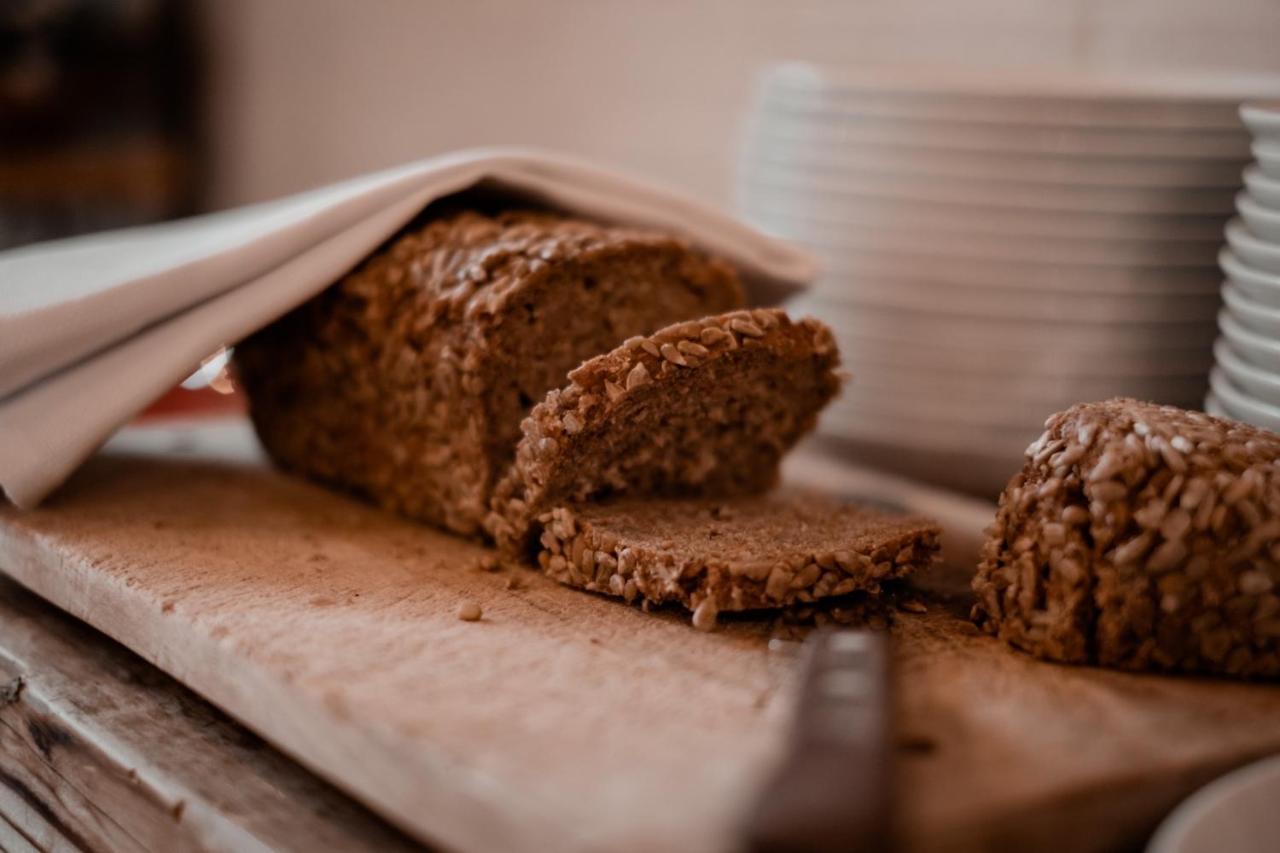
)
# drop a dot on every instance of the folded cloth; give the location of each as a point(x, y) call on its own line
point(92, 329)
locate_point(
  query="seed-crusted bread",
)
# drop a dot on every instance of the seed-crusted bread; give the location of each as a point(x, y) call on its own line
point(745, 553)
point(1142, 537)
point(707, 407)
point(408, 379)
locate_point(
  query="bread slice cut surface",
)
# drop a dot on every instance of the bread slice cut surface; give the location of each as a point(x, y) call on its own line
point(710, 555)
point(705, 407)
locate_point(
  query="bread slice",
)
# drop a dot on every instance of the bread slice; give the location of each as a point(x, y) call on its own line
point(743, 553)
point(1142, 537)
point(704, 407)
point(408, 379)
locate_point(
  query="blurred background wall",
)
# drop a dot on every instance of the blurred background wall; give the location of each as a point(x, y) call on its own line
point(304, 91)
point(114, 112)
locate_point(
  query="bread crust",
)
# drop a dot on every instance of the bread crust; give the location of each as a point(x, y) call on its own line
point(1142, 537)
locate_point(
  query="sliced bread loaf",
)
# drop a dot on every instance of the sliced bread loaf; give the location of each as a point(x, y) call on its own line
point(704, 407)
point(408, 379)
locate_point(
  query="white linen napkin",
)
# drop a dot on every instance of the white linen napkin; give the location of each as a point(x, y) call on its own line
point(94, 328)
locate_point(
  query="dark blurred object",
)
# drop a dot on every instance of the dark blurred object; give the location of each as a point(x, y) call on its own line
point(832, 793)
point(98, 110)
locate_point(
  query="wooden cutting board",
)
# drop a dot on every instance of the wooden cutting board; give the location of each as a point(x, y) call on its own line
point(566, 721)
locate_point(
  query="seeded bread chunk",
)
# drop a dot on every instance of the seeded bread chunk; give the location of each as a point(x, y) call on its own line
point(745, 553)
point(1142, 537)
point(704, 407)
point(408, 379)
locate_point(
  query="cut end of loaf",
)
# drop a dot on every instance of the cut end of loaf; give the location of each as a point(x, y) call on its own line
point(748, 553)
point(1140, 536)
point(704, 407)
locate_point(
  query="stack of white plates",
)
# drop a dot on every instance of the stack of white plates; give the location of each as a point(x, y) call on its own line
point(1245, 382)
point(998, 248)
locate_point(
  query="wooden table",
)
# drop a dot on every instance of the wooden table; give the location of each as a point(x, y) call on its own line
point(99, 750)
point(561, 720)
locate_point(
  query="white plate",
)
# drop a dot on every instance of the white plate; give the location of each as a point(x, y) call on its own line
point(882, 348)
point(847, 421)
point(1044, 250)
point(1213, 407)
point(1063, 338)
point(1262, 188)
point(1267, 154)
point(1263, 119)
point(967, 471)
point(1253, 251)
point(1029, 112)
point(888, 374)
point(1017, 195)
point(1242, 406)
point(1259, 350)
point(1261, 286)
point(952, 409)
point(842, 131)
point(1083, 280)
point(1236, 813)
point(995, 406)
point(1253, 380)
point(986, 220)
point(981, 216)
point(1261, 221)
point(987, 165)
point(1045, 95)
point(1256, 316)
point(1018, 303)
point(852, 264)
point(988, 347)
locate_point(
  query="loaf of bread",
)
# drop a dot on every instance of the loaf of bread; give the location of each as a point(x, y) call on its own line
point(705, 407)
point(408, 379)
point(1142, 537)
point(746, 553)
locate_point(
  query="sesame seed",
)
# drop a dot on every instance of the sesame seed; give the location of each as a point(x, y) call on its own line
point(806, 577)
point(746, 327)
point(1168, 556)
point(469, 611)
point(638, 376)
point(705, 614)
point(673, 355)
point(712, 335)
point(1075, 515)
point(1254, 582)
point(690, 348)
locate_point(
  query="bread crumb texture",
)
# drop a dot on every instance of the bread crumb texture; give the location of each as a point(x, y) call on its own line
point(712, 555)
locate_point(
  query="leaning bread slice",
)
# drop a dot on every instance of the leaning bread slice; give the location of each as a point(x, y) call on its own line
point(407, 380)
point(706, 407)
point(745, 553)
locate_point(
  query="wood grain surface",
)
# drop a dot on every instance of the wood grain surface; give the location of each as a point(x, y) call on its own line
point(101, 751)
point(566, 721)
